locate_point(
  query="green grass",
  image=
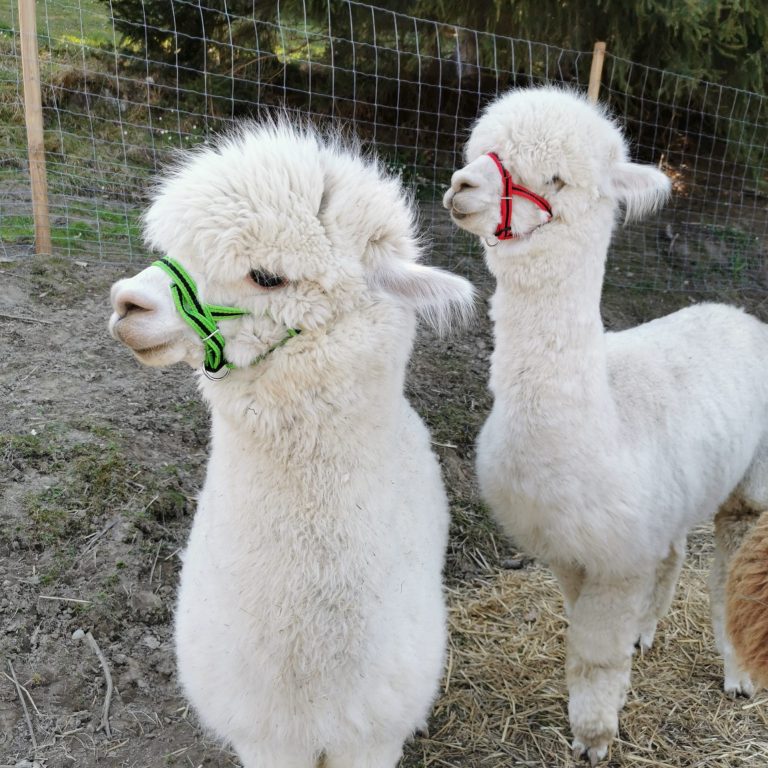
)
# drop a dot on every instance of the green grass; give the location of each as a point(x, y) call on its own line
point(86, 174)
point(87, 228)
point(79, 22)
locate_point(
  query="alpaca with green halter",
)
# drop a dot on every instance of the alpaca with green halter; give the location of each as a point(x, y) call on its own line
point(311, 582)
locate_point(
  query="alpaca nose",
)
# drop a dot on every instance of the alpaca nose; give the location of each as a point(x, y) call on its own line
point(127, 301)
point(463, 184)
point(466, 195)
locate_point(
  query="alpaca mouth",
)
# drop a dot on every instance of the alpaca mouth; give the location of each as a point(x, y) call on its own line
point(149, 351)
point(135, 336)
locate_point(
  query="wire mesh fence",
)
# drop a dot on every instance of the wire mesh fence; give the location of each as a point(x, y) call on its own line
point(121, 95)
point(711, 140)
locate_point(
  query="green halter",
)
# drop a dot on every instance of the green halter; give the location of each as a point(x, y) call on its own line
point(202, 317)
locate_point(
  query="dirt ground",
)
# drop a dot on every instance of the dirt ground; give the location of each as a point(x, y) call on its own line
point(100, 461)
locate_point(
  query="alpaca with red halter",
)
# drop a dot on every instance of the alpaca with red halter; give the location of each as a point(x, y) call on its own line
point(602, 450)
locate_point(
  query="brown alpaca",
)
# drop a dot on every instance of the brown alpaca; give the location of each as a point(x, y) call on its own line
point(747, 602)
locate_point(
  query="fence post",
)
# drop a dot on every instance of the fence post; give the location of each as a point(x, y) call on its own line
point(596, 72)
point(33, 116)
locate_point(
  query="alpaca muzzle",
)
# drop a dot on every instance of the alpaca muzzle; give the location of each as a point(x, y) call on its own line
point(508, 192)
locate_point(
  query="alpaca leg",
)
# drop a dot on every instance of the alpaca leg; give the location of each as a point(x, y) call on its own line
point(731, 524)
point(274, 756)
point(601, 636)
point(662, 593)
point(570, 578)
point(383, 755)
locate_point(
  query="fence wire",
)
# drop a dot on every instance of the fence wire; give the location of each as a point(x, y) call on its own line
point(121, 95)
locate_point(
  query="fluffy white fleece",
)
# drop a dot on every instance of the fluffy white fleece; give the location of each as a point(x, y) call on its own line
point(602, 450)
point(311, 618)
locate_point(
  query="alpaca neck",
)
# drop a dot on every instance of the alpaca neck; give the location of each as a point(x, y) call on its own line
point(550, 358)
point(324, 399)
point(317, 451)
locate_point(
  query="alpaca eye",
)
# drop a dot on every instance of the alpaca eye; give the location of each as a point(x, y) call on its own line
point(556, 182)
point(266, 279)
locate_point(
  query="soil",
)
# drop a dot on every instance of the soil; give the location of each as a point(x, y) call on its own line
point(100, 462)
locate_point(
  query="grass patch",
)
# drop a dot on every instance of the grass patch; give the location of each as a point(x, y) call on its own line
point(76, 234)
point(89, 479)
point(73, 21)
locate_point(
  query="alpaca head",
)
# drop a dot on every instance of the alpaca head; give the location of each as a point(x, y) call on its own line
point(555, 146)
point(297, 231)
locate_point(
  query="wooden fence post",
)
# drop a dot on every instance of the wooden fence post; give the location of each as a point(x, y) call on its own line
point(596, 72)
point(33, 116)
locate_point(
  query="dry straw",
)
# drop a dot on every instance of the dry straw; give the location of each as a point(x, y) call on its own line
point(504, 699)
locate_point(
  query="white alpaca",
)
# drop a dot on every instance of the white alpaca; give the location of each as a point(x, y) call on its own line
point(602, 449)
point(311, 619)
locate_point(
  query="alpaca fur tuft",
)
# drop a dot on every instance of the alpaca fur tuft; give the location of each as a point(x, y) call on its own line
point(747, 608)
point(311, 620)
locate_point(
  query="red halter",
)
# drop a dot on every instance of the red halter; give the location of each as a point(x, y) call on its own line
point(509, 189)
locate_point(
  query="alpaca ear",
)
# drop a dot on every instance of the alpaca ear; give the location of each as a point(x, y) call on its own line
point(641, 189)
point(440, 297)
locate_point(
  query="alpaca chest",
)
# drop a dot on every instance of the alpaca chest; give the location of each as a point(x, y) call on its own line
point(536, 483)
point(305, 581)
point(546, 465)
point(286, 602)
